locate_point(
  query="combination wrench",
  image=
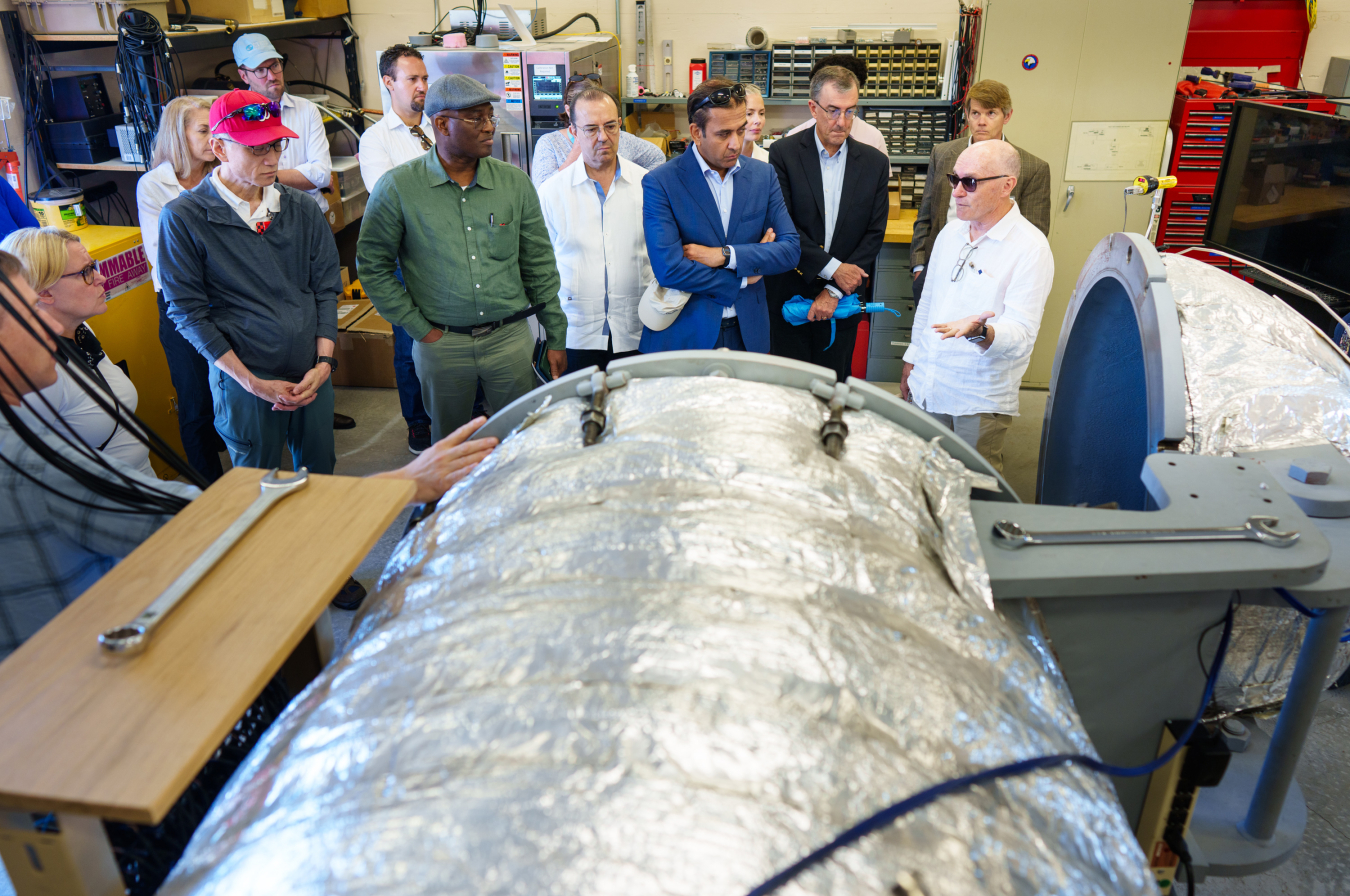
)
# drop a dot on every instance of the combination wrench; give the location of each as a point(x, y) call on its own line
point(1010, 536)
point(131, 638)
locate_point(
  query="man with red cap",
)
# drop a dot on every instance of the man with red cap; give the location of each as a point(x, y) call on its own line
point(251, 278)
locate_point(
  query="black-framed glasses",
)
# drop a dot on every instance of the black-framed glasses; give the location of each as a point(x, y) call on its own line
point(964, 260)
point(479, 123)
point(722, 96)
point(577, 79)
point(88, 272)
point(265, 148)
point(275, 68)
point(255, 112)
point(970, 183)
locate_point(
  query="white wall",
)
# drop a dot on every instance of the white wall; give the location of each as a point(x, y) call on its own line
point(691, 24)
point(1330, 38)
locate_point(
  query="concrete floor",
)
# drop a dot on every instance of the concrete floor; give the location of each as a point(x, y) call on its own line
point(1321, 867)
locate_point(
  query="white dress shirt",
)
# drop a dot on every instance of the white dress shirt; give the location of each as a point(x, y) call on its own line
point(832, 180)
point(861, 131)
point(1008, 272)
point(90, 423)
point(308, 152)
point(156, 189)
point(601, 254)
point(723, 191)
point(389, 143)
point(269, 206)
point(758, 152)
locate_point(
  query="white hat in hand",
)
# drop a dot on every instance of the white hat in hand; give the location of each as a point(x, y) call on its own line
point(660, 306)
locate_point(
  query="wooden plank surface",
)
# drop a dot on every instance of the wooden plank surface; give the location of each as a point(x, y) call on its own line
point(81, 731)
point(1297, 204)
point(900, 229)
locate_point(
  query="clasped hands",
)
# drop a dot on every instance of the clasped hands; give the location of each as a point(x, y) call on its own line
point(712, 255)
point(290, 396)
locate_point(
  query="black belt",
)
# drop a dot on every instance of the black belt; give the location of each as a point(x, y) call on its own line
point(485, 329)
point(729, 322)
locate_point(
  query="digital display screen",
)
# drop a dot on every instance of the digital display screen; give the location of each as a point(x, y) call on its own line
point(1283, 193)
point(547, 87)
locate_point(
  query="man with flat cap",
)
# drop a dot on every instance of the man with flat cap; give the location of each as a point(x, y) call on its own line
point(476, 258)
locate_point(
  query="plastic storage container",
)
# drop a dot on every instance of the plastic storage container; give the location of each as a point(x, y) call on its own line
point(83, 16)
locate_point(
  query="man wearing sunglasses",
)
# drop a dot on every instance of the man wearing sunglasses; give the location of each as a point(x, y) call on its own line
point(988, 110)
point(468, 234)
point(991, 273)
point(835, 189)
point(306, 163)
point(715, 225)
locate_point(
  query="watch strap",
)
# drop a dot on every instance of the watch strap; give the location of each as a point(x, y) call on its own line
point(329, 360)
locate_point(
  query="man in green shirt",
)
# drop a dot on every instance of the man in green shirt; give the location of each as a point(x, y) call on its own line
point(476, 261)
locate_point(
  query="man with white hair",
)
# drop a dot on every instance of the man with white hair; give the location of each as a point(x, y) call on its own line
point(992, 271)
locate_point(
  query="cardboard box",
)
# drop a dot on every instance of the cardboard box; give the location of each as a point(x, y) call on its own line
point(249, 12)
point(321, 9)
point(350, 310)
point(365, 350)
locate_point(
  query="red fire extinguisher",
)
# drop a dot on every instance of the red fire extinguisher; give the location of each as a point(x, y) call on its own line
point(11, 161)
point(698, 73)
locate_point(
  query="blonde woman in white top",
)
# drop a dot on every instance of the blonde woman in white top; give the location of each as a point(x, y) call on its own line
point(182, 159)
point(754, 123)
point(70, 289)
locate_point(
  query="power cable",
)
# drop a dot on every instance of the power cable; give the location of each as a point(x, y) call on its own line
point(556, 31)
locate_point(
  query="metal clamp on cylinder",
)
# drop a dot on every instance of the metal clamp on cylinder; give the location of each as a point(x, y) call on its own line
point(593, 417)
point(835, 430)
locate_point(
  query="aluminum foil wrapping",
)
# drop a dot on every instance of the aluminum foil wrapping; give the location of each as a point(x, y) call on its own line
point(1258, 377)
point(673, 663)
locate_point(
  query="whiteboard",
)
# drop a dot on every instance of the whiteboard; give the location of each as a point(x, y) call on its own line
point(1114, 150)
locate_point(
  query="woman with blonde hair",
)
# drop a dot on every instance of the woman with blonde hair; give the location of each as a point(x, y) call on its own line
point(70, 290)
point(754, 123)
point(182, 159)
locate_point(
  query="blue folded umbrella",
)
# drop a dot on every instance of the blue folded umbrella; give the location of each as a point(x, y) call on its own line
point(796, 308)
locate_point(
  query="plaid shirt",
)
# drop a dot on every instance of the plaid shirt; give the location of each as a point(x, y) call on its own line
point(51, 548)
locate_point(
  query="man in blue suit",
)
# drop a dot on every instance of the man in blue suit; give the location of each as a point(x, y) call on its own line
point(715, 224)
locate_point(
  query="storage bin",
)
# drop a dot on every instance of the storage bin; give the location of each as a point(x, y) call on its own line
point(83, 16)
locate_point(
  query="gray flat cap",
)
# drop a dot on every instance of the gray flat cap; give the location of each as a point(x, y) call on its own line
point(454, 92)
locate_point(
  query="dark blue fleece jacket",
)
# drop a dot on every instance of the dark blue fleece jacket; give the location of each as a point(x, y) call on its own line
point(267, 296)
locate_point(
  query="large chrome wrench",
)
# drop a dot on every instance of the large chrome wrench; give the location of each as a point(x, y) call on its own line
point(1011, 536)
point(131, 638)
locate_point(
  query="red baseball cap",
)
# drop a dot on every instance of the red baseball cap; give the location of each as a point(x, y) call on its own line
point(241, 130)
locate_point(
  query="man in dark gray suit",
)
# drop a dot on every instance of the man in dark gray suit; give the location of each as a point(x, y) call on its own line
point(988, 109)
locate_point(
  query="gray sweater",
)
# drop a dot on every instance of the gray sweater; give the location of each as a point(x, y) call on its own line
point(267, 296)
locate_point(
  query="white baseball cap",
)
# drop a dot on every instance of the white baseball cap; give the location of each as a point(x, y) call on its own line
point(659, 306)
point(252, 50)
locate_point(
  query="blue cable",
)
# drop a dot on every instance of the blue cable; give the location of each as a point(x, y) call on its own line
point(1293, 602)
point(958, 785)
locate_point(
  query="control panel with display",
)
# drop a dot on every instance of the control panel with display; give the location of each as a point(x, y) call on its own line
point(547, 84)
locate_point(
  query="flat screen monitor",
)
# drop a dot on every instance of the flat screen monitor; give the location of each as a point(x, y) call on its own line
point(1283, 194)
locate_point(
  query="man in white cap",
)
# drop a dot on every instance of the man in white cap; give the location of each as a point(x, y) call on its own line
point(306, 164)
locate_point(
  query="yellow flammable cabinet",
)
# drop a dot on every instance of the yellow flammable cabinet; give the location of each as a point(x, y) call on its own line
point(129, 331)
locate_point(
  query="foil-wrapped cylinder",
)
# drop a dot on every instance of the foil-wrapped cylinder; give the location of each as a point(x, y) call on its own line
point(673, 663)
point(1259, 376)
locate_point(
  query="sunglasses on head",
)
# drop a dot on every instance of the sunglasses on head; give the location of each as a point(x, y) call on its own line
point(254, 112)
point(970, 183)
point(577, 79)
point(722, 96)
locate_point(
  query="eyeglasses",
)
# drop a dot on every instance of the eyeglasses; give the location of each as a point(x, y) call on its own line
point(254, 112)
point(964, 260)
point(479, 123)
point(577, 79)
point(970, 183)
point(88, 272)
point(611, 129)
point(833, 114)
point(722, 96)
point(275, 68)
point(263, 149)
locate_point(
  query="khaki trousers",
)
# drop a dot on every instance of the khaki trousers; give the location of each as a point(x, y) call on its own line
point(450, 369)
point(984, 431)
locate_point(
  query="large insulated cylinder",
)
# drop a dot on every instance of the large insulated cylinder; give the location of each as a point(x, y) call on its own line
point(1164, 352)
point(674, 662)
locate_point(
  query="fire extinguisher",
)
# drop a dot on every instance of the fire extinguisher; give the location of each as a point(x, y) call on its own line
point(12, 172)
point(698, 73)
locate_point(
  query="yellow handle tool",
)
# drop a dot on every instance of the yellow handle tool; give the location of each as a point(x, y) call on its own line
point(1144, 184)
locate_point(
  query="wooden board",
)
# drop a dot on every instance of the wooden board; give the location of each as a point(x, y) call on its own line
point(1297, 204)
point(121, 738)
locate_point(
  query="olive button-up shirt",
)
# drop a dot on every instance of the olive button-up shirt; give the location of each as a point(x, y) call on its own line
point(469, 255)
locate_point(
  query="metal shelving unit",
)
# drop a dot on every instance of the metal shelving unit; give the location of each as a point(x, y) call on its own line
point(640, 102)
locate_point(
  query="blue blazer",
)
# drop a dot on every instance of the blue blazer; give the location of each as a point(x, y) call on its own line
point(678, 208)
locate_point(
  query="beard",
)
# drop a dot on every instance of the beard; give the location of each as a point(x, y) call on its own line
point(418, 105)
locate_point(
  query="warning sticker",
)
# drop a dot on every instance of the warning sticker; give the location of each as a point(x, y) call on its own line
point(125, 271)
point(513, 93)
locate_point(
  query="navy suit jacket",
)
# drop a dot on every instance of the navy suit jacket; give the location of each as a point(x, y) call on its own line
point(678, 208)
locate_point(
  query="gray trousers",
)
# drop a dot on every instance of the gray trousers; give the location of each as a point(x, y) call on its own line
point(450, 369)
point(983, 432)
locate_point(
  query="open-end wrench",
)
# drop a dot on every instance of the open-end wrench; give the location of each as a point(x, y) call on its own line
point(1010, 536)
point(131, 638)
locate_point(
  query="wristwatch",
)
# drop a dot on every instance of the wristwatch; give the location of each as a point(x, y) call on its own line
point(726, 256)
point(331, 362)
point(980, 337)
